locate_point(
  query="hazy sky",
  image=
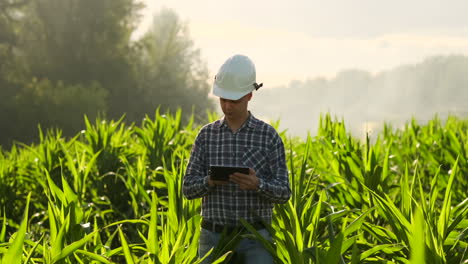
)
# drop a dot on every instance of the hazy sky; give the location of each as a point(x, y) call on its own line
point(302, 39)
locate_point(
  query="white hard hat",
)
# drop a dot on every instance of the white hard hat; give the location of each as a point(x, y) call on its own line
point(235, 78)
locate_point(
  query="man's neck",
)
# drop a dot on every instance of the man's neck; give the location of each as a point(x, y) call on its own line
point(235, 124)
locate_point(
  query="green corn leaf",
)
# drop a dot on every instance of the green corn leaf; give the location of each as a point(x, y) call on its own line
point(126, 249)
point(445, 211)
point(68, 192)
point(267, 244)
point(316, 216)
point(405, 194)
point(46, 252)
point(434, 191)
point(3, 231)
point(59, 243)
point(356, 224)
point(56, 191)
point(334, 253)
point(375, 250)
point(348, 243)
point(461, 211)
point(52, 222)
point(382, 234)
point(33, 249)
point(72, 248)
point(227, 243)
point(385, 169)
point(356, 255)
point(15, 251)
point(153, 240)
point(129, 221)
point(296, 227)
point(398, 221)
point(109, 242)
point(176, 246)
point(222, 258)
point(355, 169)
point(417, 243)
point(94, 256)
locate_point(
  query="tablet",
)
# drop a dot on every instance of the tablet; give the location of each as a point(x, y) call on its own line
point(221, 173)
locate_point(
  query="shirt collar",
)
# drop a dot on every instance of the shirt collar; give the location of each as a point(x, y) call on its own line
point(251, 122)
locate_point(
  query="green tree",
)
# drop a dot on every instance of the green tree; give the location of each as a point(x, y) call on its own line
point(171, 73)
point(11, 68)
point(83, 41)
point(57, 105)
point(61, 59)
point(68, 49)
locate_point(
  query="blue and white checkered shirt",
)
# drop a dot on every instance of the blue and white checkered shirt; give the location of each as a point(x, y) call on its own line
point(256, 145)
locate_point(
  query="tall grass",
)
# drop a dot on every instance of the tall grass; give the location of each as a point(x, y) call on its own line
point(112, 194)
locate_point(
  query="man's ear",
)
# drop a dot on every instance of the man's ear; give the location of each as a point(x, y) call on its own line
point(250, 96)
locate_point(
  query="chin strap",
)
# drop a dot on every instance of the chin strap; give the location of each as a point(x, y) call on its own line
point(257, 86)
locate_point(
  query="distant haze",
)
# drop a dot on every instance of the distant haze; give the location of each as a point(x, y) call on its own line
point(438, 85)
point(301, 39)
point(366, 61)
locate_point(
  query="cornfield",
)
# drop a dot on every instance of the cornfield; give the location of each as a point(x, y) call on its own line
point(112, 194)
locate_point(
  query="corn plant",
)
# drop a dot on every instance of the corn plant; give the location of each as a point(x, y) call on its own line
point(113, 194)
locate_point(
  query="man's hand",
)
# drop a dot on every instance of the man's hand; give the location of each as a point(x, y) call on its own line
point(246, 181)
point(213, 183)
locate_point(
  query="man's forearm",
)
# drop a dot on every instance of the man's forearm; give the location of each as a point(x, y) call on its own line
point(195, 187)
point(276, 191)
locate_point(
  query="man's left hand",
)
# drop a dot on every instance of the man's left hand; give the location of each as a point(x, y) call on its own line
point(246, 181)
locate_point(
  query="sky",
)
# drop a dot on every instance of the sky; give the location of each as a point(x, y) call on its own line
point(306, 39)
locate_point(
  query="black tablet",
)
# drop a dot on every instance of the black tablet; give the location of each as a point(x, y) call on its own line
point(221, 173)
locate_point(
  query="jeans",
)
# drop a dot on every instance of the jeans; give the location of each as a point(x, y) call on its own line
point(249, 250)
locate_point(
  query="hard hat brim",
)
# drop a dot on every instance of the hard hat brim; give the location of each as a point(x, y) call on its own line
point(230, 95)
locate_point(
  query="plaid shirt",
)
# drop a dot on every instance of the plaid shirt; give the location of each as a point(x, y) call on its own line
point(255, 145)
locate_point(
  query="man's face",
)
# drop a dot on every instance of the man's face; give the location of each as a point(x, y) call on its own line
point(233, 109)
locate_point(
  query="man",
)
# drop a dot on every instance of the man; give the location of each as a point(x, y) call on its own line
point(240, 140)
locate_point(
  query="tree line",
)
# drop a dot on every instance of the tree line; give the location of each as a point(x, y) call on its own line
point(62, 59)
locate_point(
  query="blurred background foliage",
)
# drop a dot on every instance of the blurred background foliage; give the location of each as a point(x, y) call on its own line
point(62, 59)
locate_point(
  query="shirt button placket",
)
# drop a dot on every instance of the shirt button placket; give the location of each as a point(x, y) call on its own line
point(233, 153)
point(234, 148)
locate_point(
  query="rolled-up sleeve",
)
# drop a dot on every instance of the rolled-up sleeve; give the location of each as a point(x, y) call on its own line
point(196, 179)
point(277, 190)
